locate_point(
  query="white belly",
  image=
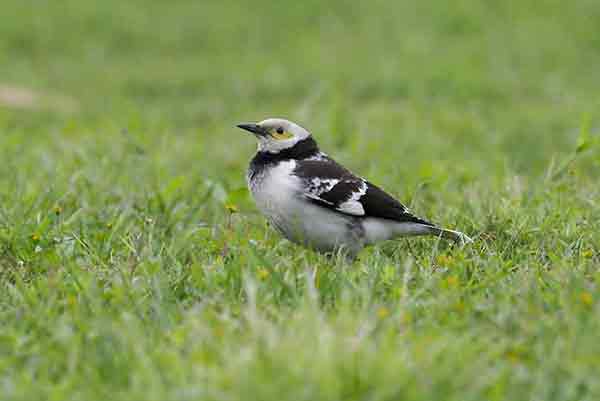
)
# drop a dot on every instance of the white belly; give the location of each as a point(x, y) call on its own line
point(277, 195)
point(376, 230)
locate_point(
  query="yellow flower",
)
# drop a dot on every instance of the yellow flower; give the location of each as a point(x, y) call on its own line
point(586, 298)
point(35, 237)
point(588, 253)
point(383, 312)
point(263, 274)
point(231, 208)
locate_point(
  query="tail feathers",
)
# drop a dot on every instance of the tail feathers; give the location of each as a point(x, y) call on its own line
point(451, 235)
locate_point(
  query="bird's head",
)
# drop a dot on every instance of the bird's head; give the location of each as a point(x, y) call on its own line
point(276, 134)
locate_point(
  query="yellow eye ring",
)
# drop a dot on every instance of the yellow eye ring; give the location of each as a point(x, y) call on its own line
point(281, 134)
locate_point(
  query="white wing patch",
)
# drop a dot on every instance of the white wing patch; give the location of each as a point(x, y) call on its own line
point(352, 205)
point(318, 185)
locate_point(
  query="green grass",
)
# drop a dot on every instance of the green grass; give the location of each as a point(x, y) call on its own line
point(123, 275)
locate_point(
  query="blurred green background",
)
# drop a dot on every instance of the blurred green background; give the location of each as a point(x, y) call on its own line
point(506, 82)
point(126, 276)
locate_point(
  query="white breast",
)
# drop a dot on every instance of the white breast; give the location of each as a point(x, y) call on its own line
point(274, 188)
point(279, 196)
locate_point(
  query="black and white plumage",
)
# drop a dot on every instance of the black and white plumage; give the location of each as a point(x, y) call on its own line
point(316, 202)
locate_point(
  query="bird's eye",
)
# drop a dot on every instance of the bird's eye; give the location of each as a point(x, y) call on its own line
point(280, 133)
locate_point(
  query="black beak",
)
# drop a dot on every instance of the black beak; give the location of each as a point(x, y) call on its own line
point(254, 128)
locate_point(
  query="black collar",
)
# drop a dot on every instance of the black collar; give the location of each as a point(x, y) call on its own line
point(302, 150)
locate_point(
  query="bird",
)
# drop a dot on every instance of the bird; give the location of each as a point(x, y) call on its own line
point(316, 202)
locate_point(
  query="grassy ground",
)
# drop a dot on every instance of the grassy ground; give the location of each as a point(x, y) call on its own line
point(133, 265)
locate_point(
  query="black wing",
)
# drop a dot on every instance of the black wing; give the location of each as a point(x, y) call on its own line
point(330, 185)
